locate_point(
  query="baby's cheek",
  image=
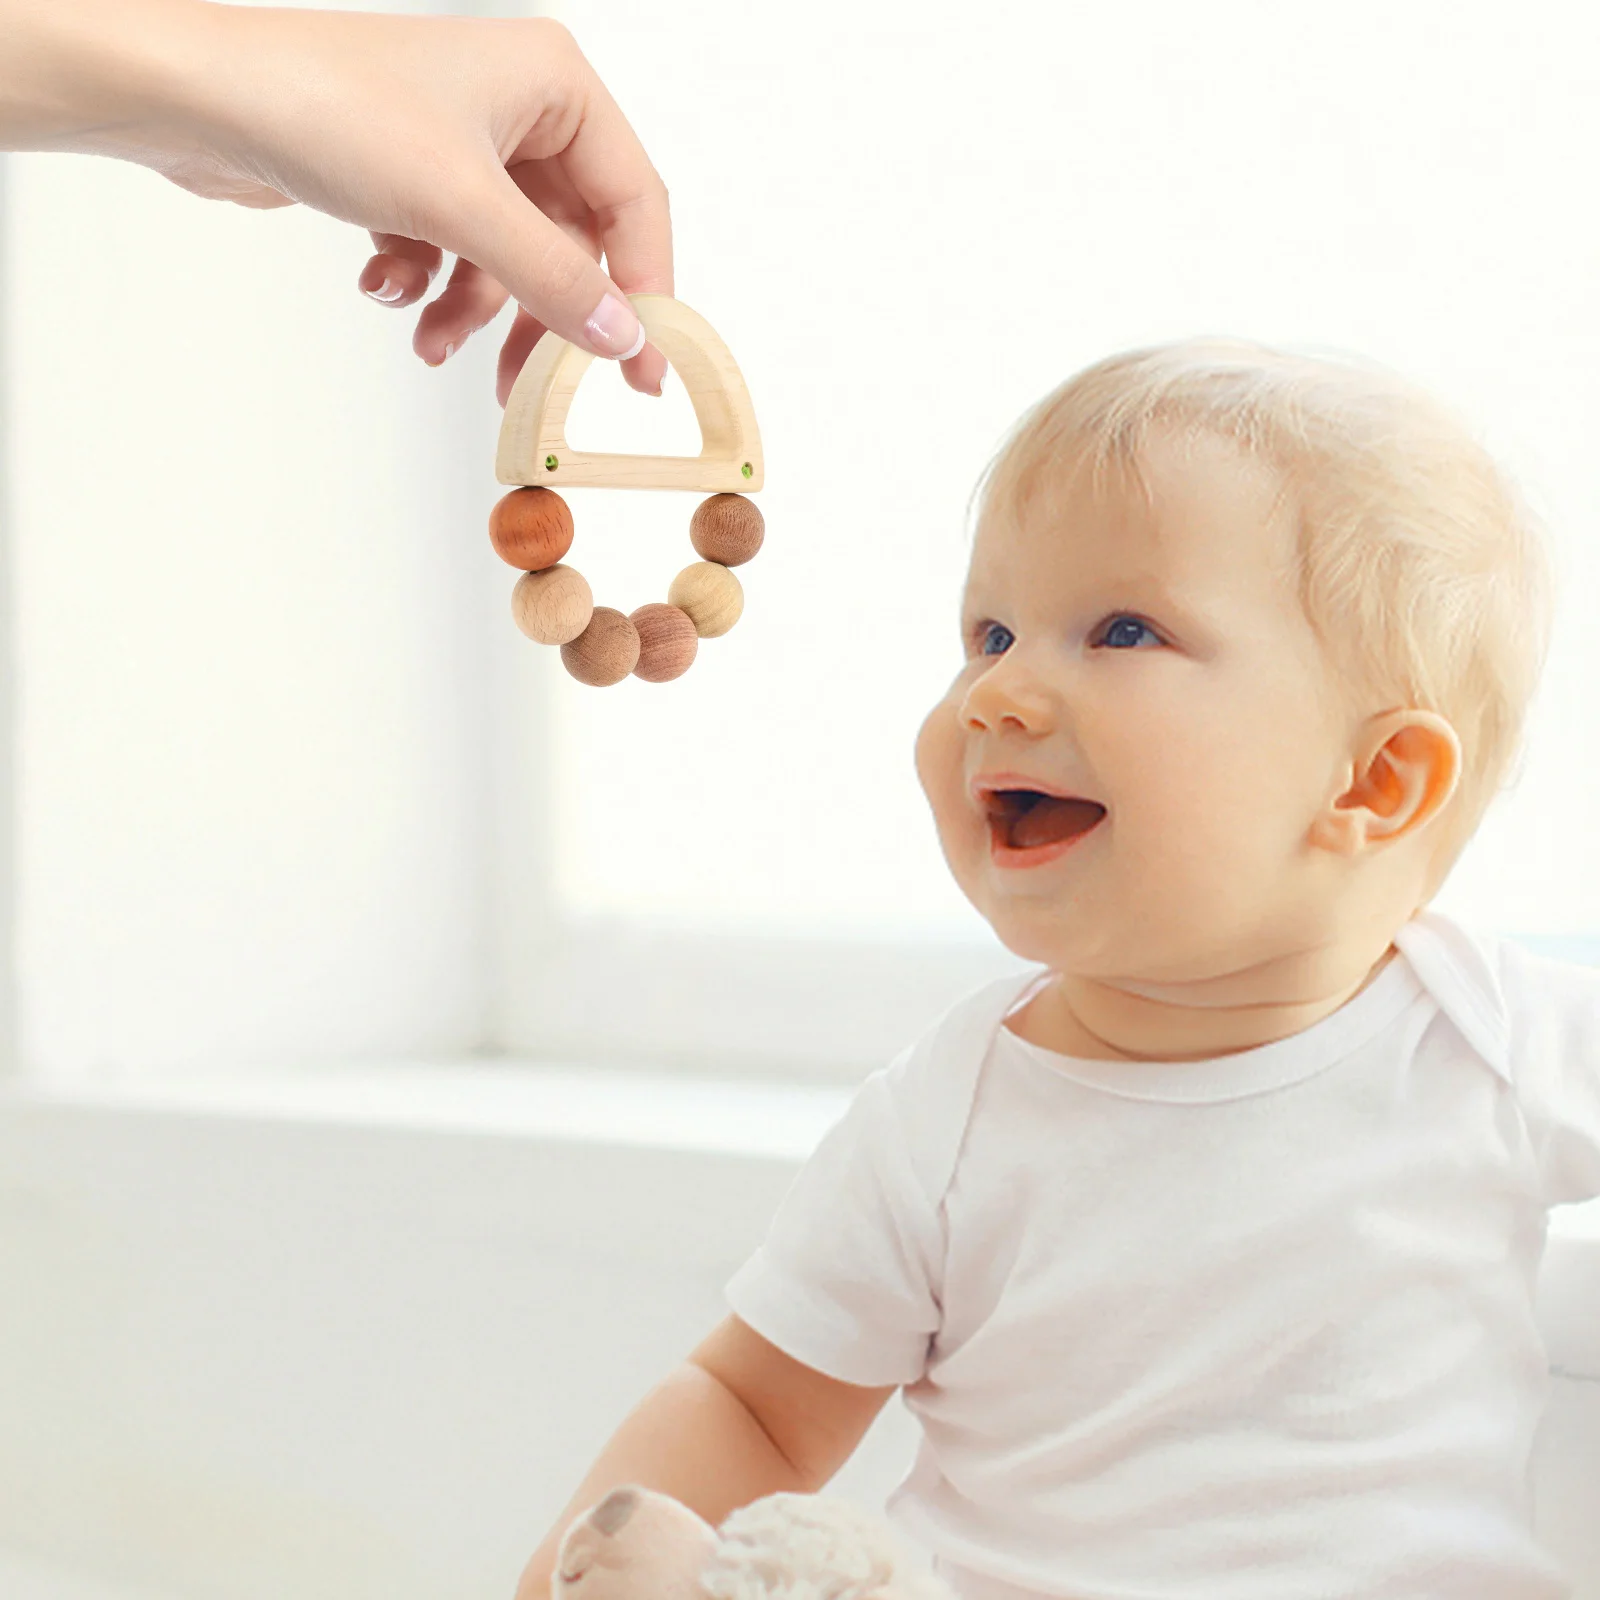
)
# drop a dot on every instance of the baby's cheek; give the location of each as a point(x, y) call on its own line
point(941, 769)
point(939, 760)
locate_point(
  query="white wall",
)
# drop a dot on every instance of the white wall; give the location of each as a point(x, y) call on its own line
point(254, 621)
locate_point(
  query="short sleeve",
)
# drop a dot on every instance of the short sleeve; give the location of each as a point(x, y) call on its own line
point(1554, 1010)
point(846, 1280)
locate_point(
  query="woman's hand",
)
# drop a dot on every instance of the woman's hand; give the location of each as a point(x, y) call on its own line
point(491, 140)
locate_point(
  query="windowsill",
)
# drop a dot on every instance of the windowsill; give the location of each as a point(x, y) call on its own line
point(771, 1120)
point(514, 1099)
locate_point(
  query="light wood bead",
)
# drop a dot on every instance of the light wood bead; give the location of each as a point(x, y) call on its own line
point(553, 606)
point(711, 595)
point(605, 652)
point(667, 642)
point(727, 529)
point(531, 528)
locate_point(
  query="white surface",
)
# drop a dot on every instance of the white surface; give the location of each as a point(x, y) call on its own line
point(517, 1100)
point(245, 1356)
point(24, 1578)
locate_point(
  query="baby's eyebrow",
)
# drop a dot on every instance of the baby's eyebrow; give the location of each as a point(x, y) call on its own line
point(1161, 596)
point(1140, 591)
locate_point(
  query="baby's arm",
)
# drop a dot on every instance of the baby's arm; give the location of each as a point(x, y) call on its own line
point(737, 1420)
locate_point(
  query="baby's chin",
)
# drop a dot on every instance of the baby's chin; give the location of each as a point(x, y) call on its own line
point(1036, 924)
point(1082, 948)
point(1053, 918)
point(1033, 934)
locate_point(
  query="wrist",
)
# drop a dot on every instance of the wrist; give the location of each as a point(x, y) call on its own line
point(105, 77)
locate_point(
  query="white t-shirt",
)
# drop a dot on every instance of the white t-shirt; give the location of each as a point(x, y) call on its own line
point(1258, 1327)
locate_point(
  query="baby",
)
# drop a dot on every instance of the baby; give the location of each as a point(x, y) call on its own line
point(1204, 1253)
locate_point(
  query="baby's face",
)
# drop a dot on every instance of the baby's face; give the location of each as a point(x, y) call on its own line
point(1126, 768)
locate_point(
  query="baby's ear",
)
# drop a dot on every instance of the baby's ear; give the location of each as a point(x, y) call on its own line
point(1406, 767)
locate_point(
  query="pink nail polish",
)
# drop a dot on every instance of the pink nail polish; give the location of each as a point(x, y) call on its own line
point(388, 291)
point(615, 330)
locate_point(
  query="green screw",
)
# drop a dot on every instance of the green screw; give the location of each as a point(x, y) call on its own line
point(748, 470)
point(550, 463)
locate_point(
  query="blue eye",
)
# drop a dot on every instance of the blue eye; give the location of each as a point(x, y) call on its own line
point(995, 639)
point(1123, 634)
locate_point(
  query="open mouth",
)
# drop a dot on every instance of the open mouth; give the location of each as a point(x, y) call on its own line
point(1029, 819)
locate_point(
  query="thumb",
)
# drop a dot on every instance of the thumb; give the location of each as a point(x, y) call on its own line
point(547, 273)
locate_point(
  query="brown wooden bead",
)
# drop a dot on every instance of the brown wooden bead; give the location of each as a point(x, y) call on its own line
point(667, 642)
point(710, 594)
point(727, 529)
point(605, 652)
point(531, 528)
point(553, 606)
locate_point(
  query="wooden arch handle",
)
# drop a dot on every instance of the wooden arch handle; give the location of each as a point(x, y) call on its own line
point(533, 432)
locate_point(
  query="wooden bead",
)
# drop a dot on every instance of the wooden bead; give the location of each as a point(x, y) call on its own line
point(710, 594)
point(553, 606)
point(531, 528)
point(667, 642)
point(727, 529)
point(605, 652)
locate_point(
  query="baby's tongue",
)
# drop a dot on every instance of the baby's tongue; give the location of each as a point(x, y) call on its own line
point(1050, 819)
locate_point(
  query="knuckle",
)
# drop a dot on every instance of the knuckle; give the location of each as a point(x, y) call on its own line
point(561, 273)
point(556, 35)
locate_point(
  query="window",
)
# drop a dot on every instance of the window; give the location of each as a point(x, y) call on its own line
point(290, 785)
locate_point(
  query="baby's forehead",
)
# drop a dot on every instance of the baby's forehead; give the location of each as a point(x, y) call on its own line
point(1192, 510)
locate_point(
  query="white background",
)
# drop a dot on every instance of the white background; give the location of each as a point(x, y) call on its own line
point(911, 222)
point(289, 784)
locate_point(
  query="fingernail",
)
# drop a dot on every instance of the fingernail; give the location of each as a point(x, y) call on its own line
point(449, 350)
point(388, 291)
point(615, 329)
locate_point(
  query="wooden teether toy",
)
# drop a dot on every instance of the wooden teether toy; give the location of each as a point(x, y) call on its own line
point(531, 528)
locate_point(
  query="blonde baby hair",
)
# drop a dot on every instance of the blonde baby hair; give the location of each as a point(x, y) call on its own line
point(1423, 573)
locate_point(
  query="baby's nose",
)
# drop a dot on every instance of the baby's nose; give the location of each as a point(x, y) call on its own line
point(1010, 695)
